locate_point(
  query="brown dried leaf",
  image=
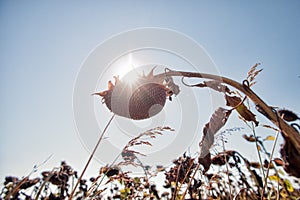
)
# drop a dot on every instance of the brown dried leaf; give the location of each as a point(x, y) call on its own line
point(287, 115)
point(109, 171)
point(171, 85)
point(270, 127)
point(220, 159)
point(257, 178)
point(255, 165)
point(29, 183)
point(278, 162)
point(290, 157)
point(215, 85)
point(160, 168)
point(266, 164)
point(205, 161)
point(217, 121)
point(249, 138)
point(236, 102)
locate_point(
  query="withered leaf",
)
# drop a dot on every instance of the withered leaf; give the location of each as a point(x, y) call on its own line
point(278, 162)
point(215, 85)
point(287, 115)
point(270, 127)
point(217, 121)
point(290, 157)
point(266, 164)
point(170, 83)
point(231, 164)
point(109, 171)
point(29, 183)
point(160, 168)
point(258, 179)
point(236, 102)
point(270, 137)
point(205, 161)
point(220, 159)
point(255, 165)
point(249, 138)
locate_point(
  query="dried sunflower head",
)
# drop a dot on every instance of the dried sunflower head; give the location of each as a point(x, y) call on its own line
point(142, 99)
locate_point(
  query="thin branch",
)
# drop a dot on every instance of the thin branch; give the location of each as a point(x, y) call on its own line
point(91, 156)
point(270, 163)
point(227, 169)
point(190, 182)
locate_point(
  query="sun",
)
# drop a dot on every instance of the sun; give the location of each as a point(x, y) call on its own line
point(128, 70)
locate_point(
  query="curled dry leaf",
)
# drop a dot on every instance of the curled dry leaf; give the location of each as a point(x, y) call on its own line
point(236, 102)
point(109, 171)
point(287, 115)
point(215, 85)
point(217, 121)
point(249, 138)
point(171, 85)
point(290, 157)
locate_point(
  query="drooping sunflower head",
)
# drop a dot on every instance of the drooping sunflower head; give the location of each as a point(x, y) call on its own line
point(142, 99)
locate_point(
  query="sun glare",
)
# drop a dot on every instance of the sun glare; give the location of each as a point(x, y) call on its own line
point(128, 71)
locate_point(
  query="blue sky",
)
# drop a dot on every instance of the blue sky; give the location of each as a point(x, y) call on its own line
point(44, 43)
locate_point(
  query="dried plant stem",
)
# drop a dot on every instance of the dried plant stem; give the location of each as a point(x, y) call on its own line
point(287, 130)
point(227, 170)
point(91, 156)
point(191, 179)
point(44, 183)
point(252, 127)
point(186, 176)
point(271, 157)
point(257, 149)
point(16, 188)
point(176, 184)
